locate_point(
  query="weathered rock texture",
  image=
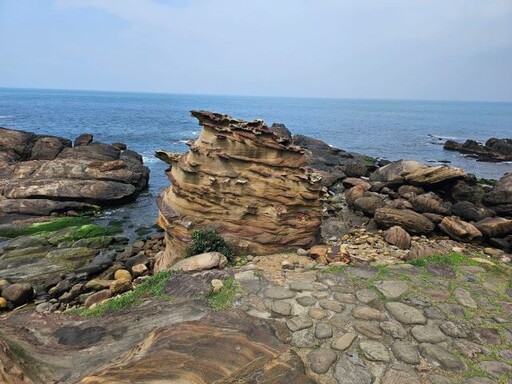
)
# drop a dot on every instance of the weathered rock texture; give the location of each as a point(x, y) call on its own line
point(40, 175)
point(493, 150)
point(247, 181)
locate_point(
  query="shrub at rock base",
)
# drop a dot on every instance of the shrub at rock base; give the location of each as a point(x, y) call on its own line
point(207, 240)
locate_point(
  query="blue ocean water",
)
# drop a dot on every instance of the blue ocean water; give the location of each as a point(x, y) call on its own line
point(390, 129)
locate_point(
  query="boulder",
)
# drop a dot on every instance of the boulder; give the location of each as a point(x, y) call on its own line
point(495, 227)
point(354, 193)
point(464, 191)
point(421, 250)
point(493, 150)
point(350, 182)
point(397, 236)
point(369, 204)
point(42, 175)
point(98, 297)
point(392, 173)
point(48, 147)
point(499, 199)
point(119, 286)
point(428, 176)
point(409, 220)
point(83, 139)
point(460, 230)
point(18, 294)
point(400, 204)
point(426, 204)
point(201, 262)
point(470, 212)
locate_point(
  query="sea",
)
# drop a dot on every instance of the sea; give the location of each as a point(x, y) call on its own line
point(146, 122)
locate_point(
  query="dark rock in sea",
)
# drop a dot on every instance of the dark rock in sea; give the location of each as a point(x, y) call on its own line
point(41, 175)
point(493, 150)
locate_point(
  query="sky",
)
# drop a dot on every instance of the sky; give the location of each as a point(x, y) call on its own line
point(379, 49)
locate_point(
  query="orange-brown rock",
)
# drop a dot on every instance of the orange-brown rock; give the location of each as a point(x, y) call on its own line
point(397, 236)
point(248, 182)
point(409, 220)
point(459, 230)
point(495, 227)
point(326, 254)
point(433, 175)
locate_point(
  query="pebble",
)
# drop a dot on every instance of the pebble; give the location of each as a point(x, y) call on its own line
point(405, 314)
point(122, 274)
point(217, 285)
point(406, 352)
point(464, 298)
point(427, 334)
point(279, 293)
point(331, 305)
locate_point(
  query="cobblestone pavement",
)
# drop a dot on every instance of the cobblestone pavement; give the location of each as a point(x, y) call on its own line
point(436, 324)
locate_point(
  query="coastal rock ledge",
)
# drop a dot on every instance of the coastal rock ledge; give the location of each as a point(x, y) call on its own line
point(41, 175)
point(251, 183)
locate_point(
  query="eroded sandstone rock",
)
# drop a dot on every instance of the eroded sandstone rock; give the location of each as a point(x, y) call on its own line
point(251, 184)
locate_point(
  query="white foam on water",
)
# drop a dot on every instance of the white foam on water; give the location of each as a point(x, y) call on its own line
point(6, 116)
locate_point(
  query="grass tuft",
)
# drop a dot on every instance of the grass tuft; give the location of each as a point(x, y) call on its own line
point(151, 288)
point(224, 299)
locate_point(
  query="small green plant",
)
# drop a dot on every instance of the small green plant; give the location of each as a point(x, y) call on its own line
point(151, 288)
point(224, 298)
point(208, 240)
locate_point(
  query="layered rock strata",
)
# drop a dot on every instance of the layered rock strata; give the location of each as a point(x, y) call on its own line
point(40, 175)
point(493, 150)
point(247, 181)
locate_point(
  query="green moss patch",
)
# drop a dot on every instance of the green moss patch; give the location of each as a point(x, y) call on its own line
point(452, 259)
point(47, 226)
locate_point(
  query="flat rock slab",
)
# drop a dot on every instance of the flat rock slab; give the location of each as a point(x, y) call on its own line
point(495, 368)
point(393, 329)
point(464, 298)
point(350, 369)
point(405, 314)
point(374, 351)
point(392, 289)
point(406, 352)
point(367, 313)
point(366, 296)
point(299, 322)
point(400, 374)
point(281, 308)
point(279, 293)
point(317, 313)
point(331, 305)
point(343, 342)
point(428, 334)
point(323, 331)
point(321, 360)
point(442, 357)
point(306, 301)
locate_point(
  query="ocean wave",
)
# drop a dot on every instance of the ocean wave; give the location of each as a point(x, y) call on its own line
point(149, 159)
point(6, 116)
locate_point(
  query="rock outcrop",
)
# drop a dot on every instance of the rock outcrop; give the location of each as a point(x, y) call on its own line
point(493, 150)
point(249, 182)
point(40, 175)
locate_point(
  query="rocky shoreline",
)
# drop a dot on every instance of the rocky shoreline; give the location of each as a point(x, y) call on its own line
point(384, 272)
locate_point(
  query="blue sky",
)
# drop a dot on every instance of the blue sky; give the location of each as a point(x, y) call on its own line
point(400, 49)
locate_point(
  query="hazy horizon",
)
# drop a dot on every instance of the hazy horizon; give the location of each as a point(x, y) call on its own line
point(250, 96)
point(427, 50)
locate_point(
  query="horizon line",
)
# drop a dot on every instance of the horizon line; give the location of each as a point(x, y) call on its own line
point(255, 96)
